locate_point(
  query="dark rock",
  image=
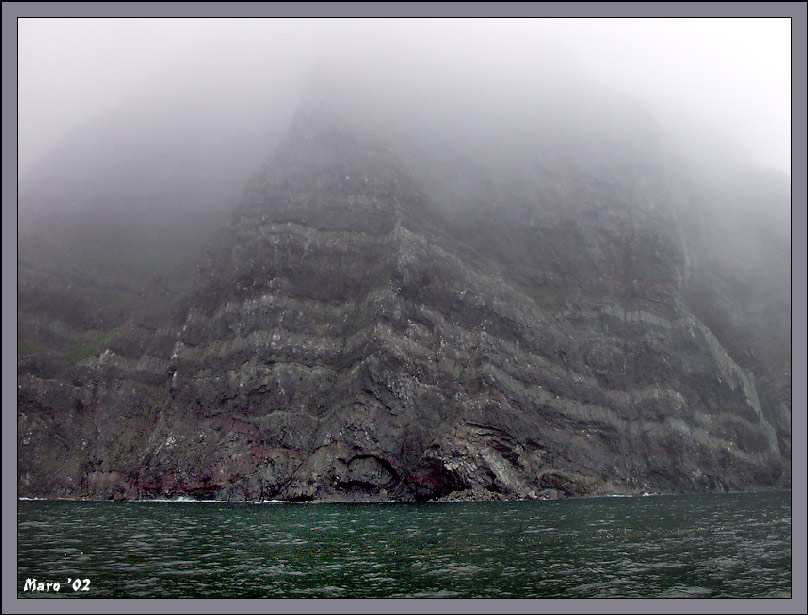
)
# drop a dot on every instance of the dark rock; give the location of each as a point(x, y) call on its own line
point(349, 336)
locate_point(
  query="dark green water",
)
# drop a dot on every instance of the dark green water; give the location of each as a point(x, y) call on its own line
point(723, 545)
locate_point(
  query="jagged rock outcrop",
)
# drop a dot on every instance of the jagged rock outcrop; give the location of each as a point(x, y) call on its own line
point(361, 330)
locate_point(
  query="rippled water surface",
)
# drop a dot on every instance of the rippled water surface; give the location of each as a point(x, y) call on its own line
point(723, 545)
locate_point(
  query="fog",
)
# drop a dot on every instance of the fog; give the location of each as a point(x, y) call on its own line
point(222, 86)
point(640, 164)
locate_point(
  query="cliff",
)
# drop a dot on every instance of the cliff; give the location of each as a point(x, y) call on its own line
point(570, 310)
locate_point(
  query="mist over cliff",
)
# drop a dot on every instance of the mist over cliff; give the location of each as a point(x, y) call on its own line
point(408, 272)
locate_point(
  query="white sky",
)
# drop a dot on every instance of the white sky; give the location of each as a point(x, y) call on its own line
point(736, 73)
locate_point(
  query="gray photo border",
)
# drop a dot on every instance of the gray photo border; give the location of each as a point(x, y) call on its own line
point(14, 10)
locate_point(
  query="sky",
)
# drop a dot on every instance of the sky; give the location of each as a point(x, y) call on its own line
point(733, 73)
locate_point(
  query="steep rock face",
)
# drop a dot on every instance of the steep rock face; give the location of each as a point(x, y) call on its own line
point(352, 334)
point(340, 344)
point(100, 300)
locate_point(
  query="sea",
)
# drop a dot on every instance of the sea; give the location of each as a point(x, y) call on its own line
point(736, 545)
